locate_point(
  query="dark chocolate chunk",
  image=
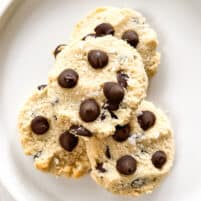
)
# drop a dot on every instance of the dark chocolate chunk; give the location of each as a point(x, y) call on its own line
point(122, 133)
point(98, 59)
point(68, 78)
point(39, 125)
point(80, 130)
point(68, 141)
point(58, 49)
point(103, 116)
point(42, 86)
point(99, 166)
point(158, 159)
point(107, 152)
point(89, 110)
point(122, 79)
point(91, 35)
point(113, 92)
point(113, 115)
point(126, 165)
point(131, 37)
point(104, 29)
point(146, 120)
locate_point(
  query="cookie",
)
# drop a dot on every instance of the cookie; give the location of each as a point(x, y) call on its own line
point(46, 137)
point(125, 24)
point(137, 157)
point(97, 84)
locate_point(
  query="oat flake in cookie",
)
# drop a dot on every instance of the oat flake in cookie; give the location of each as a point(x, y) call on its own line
point(137, 162)
point(49, 140)
point(98, 83)
point(126, 24)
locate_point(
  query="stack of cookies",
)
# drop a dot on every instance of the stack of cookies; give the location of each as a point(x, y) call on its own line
point(92, 116)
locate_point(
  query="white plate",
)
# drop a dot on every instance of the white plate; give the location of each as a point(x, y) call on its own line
point(25, 57)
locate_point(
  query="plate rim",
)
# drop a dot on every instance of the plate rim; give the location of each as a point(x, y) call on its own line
point(7, 9)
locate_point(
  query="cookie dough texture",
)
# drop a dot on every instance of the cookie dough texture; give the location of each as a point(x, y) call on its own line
point(48, 155)
point(121, 57)
point(124, 19)
point(141, 145)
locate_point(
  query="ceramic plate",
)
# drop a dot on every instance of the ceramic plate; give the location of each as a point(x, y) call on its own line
point(26, 44)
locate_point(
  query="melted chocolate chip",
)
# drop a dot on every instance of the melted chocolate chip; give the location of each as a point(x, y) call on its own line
point(42, 86)
point(91, 35)
point(122, 133)
point(113, 92)
point(58, 49)
point(99, 167)
point(122, 79)
point(158, 159)
point(104, 29)
point(80, 130)
point(68, 141)
point(39, 125)
point(89, 110)
point(68, 78)
point(131, 37)
point(107, 152)
point(146, 120)
point(126, 165)
point(97, 59)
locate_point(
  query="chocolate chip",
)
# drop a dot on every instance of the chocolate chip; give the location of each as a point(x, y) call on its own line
point(99, 167)
point(39, 125)
point(107, 152)
point(68, 78)
point(126, 165)
point(97, 58)
point(131, 37)
point(122, 79)
point(113, 92)
point(42, 86)
point(91, 35)
point(89, 110)
point(122, 133)
point(68, 141)
point(80, 130)
point(158, 159)
point(146, 120)
point(113, 106)
point(104, 29)
point(58, 49)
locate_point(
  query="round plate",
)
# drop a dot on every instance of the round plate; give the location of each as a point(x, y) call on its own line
point(25, 58)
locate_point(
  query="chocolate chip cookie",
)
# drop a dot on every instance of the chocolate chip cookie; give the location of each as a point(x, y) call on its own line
point(49, 140)
point(97, 84)
point(126, 24)
point(137, 157)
